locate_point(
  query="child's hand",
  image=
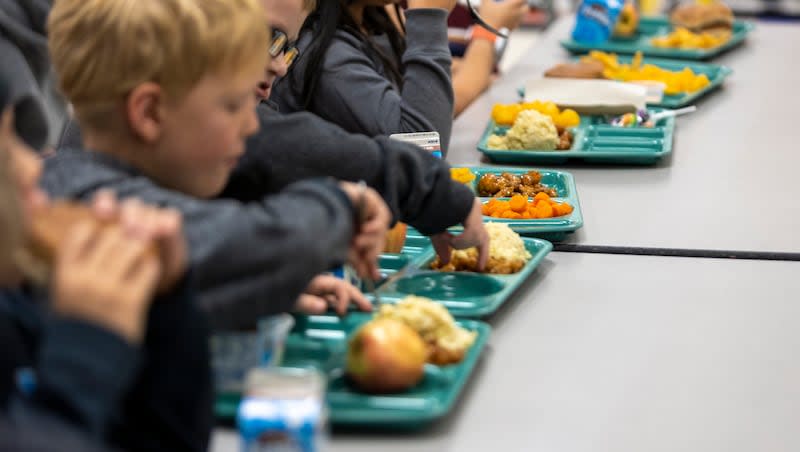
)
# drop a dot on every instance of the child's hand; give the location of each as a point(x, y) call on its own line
point(164, 226)
point(504, 14)
point(105, 277)
point(474, 234)
point(105, 274)
point(447, 5)
point(370, 236)
point(326, 290)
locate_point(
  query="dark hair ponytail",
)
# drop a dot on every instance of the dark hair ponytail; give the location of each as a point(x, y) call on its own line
point(333, 15)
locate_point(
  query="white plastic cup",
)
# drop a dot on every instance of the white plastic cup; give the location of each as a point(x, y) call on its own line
point(235, 353)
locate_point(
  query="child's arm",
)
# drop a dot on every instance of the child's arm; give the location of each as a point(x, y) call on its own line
point(247, 260)
point(103, 283)
point(416, 186)
point(360, 99)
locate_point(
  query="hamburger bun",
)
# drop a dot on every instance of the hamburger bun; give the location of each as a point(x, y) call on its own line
point(698, 18)
point(49, 228)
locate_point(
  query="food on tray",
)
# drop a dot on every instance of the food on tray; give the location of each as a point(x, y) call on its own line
point(628, 21)
point(386, 355)
point(519, 207)
point(682, 38)
point(396, 238)
point(582, 69)
point(532, 130)
point(463, 175)
point(707, 17)
point(644, 118)
point(685, 81)
point(506, 114)
point(506, 185)
point(447, 342)
point(639, 119)
point(507, 253)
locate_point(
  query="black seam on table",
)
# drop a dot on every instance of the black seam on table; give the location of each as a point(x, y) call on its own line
point(677, 252)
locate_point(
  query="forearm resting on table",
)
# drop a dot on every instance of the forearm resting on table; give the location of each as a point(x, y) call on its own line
point(474, 74)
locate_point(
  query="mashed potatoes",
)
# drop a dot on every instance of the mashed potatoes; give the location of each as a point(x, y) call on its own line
point(447, 342)
point(531, 130)
point(507, 253)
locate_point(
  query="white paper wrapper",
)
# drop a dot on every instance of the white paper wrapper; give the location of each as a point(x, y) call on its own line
point(589, 97)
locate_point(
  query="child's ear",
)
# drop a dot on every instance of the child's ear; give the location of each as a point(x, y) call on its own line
point(143, 109)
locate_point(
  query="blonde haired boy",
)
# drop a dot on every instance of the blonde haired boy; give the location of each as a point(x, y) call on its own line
point(163, 91)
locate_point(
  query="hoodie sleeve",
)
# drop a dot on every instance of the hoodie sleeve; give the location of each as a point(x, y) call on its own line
point(30, 437)
point(359, 98)
point(82, 373)
point(255, 259)
point(78, 377)
point(248, 260)
point(416, 186)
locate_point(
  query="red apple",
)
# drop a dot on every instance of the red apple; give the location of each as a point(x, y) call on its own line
point(386, 355)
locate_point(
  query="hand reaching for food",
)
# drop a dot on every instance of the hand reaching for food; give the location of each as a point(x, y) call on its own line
point(119, 300)
point(327, 290)
point(474, 235)
point(370, 235)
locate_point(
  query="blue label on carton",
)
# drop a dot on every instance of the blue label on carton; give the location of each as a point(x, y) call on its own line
point(267, 424)
point(595, 20)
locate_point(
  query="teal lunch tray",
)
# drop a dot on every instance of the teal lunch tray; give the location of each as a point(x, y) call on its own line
point(651, 27)
point(594, 141)
point(320, 342)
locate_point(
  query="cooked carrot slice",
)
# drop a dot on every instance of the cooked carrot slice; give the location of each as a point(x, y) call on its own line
point(541, 196)
point(518, 203)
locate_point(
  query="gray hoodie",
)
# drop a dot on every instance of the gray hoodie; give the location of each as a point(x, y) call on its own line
point(25, 65)
point(355, 92)
point(288, 148)
point(248, 260)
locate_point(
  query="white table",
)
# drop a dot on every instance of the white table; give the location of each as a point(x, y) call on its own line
point(731, 183)
point(628, 354)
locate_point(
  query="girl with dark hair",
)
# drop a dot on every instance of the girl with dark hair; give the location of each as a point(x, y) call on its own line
point(361, 71)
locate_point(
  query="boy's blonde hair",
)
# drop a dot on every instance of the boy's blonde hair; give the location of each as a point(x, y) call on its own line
point(103, 49)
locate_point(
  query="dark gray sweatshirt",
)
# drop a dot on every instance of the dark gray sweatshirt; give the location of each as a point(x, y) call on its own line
point(416, 185)
point(356, 93)
point(248, 259)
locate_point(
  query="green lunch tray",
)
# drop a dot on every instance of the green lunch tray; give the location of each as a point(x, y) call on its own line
point(594, 141)
point(651, 27)
point(464, 294)
point(415, 242)
point(321, 342)
point(552, 229)
point(716, 75)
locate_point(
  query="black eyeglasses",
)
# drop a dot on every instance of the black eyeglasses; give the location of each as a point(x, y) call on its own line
point(281, 45)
